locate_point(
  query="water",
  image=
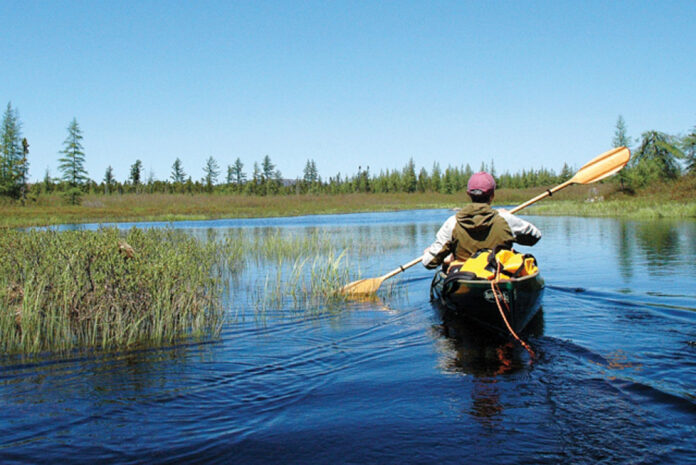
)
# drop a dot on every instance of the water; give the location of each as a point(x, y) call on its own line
point(614, 380)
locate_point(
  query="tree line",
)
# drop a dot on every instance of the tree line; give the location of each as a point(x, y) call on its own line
point(656, 156)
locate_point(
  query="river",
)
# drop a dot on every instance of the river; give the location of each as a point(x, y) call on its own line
point(613, 380)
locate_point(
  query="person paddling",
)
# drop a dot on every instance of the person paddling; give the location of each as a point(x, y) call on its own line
point(477, 226)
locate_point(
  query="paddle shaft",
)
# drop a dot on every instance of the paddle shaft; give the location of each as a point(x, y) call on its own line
point(403, 267)
point(548, 193)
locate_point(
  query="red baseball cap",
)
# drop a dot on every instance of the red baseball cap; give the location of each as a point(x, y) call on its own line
point(482, 182)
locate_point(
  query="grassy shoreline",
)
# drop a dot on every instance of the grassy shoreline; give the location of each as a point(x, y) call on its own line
point(673, 201)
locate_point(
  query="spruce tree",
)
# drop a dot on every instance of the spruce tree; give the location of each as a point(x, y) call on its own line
point(621, 139)
point(409, 181)
point(12, 157)
point(72, 163)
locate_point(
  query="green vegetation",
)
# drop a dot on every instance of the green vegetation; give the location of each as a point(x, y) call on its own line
point(60, 291)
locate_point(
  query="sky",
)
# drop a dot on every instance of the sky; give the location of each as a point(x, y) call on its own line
point(347, 84)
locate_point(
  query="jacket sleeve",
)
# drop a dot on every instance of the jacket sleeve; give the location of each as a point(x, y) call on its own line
point(525, 232)
point(438, 250)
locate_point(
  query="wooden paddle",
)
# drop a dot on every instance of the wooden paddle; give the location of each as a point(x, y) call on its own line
point(598, 168)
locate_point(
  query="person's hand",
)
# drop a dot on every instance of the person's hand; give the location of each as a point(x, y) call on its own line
point(503, 210)
point(448, 259)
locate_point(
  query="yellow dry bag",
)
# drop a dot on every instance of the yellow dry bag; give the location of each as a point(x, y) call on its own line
point(485, 264)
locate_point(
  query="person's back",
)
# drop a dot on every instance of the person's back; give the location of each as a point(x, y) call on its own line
point(478, 226)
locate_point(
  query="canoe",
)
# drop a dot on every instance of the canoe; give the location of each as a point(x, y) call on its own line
point(460, 297)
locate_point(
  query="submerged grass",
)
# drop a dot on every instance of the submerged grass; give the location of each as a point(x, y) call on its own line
point(105, 289)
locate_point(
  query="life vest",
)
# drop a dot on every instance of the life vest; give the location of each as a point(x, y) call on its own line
point(484, 264)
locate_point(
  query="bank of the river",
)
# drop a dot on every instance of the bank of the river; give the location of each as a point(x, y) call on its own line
point(636, 208)
point(676, 200)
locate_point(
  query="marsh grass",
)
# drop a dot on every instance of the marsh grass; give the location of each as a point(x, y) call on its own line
point(105, 289)
point(303, 276)
point(110, 289)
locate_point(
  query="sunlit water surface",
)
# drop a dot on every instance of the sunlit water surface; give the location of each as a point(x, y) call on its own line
point(614, 380)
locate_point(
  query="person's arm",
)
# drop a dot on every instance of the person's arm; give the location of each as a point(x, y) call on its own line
point(438, 250)
point(525, 232)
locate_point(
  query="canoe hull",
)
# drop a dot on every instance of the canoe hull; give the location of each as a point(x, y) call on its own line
point(474, 300)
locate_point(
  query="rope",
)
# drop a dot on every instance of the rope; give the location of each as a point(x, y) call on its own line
point(496, 291)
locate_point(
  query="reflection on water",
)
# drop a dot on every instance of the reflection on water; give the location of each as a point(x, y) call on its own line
point(657, 246)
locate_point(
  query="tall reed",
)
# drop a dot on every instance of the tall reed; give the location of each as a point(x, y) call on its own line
point(59, 291)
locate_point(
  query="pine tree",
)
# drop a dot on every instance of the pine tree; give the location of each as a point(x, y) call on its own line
point(72, 163)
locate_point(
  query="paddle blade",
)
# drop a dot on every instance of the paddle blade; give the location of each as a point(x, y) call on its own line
point(602, 166)
point(362, 287)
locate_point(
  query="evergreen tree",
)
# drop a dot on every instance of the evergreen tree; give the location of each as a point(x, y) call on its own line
point(409, 181)
point(72, 163)
point(136, 173)
point(661, 152)
point(435, 178)
point(566, 173)
point(178, 175)
point(268, 168)
point(620, 137)
point(108, 179)
point(310, 174)
point(212, 171)
point(256, 177)
point(47, 182)
point(468, 172)
point(423, 180)
point(237, 172)
point(23, 170)
point(688, 145)
point(12, 158)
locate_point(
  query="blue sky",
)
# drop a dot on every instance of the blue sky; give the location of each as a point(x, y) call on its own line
point(348, 84)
